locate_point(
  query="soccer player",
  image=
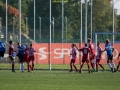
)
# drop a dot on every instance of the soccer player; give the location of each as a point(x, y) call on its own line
point(92, 54)
point(118, 62)
point(72, 62)
point(109, 49)
point(98, 57)
point(26, 56)
point(2, 50)
point(11, 50)
point(85, 51)
point(20, 55)
point(31, 56)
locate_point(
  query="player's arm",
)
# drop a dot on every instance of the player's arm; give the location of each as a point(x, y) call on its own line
point(76, 47)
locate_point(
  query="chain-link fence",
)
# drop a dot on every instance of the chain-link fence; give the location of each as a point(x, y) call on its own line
point(69, 23)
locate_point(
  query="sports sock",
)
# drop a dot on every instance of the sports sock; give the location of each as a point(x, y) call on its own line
point(113, 65)
point(88, 67)
point(32, 66)
point(109, 65)
point(70, 66)
point(12, 67)
point(22, 65)
point(96, 66)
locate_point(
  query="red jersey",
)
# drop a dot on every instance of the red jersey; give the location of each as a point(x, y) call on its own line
point(92, 51)
point(11, 48)
point(85, 52)
point(31, 51)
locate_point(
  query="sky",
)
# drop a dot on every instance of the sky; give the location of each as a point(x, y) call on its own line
point(117, 6)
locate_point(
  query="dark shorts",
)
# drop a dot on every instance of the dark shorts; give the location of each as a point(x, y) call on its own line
point(72, 61)
point(2, 53)
point(21, 57)
point(110, 57)
point(85, 60)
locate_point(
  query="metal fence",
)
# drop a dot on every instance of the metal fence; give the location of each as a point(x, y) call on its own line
point(55, 21)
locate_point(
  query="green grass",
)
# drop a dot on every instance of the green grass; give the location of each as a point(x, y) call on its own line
point(58, 80)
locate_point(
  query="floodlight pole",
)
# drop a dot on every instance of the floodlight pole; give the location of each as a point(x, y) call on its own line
point(50, 38)
point(62, 21)
point(40, 28)
point(6, 21)
point(86, 20)
point(113, 19)
point(66, 29)
point(53, 27)
point(13, 27)
point(91, 19)
point(34, 21)
point(19, 21)
point(81, 24)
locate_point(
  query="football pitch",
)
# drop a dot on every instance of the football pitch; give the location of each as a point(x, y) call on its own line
point(58, 80)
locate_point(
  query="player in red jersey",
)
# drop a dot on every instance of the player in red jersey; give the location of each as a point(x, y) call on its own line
point(118, 62)
point(85, 51)
point(92, 54)
point(31, 56)
point(72, 62)
point(98, 57)
point(26, 56)
point(11, 50)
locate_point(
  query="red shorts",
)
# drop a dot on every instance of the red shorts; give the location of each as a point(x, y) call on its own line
point(31, 58)
point(72, 61)
point(26, 57)
point(92, 57)
point(85, 60)
point(98, 60)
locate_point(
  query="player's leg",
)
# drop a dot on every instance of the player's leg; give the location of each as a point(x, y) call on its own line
point(32, 66)
point(92, 64)
point(118, 66)
point(108, 62)
point(97, 62)
point(22, 62)
point(13, 62)
point(1, 55)
point(88, 65)
point(82, 63)
point(112, 63)
point(33, 63)
point(75, 66)
point(71, 65)
point(101, 66)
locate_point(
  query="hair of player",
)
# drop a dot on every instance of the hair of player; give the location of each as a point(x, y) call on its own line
point(89, 40)
point(107, 41)
point(31, 44)
point(10, 42)
point(85, 44)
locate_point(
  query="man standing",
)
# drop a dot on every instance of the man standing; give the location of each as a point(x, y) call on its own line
point(11, 51)
point(92, 54)
point(85, 51)
point(72, 62)
point(31, 56)
point(109, 49)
